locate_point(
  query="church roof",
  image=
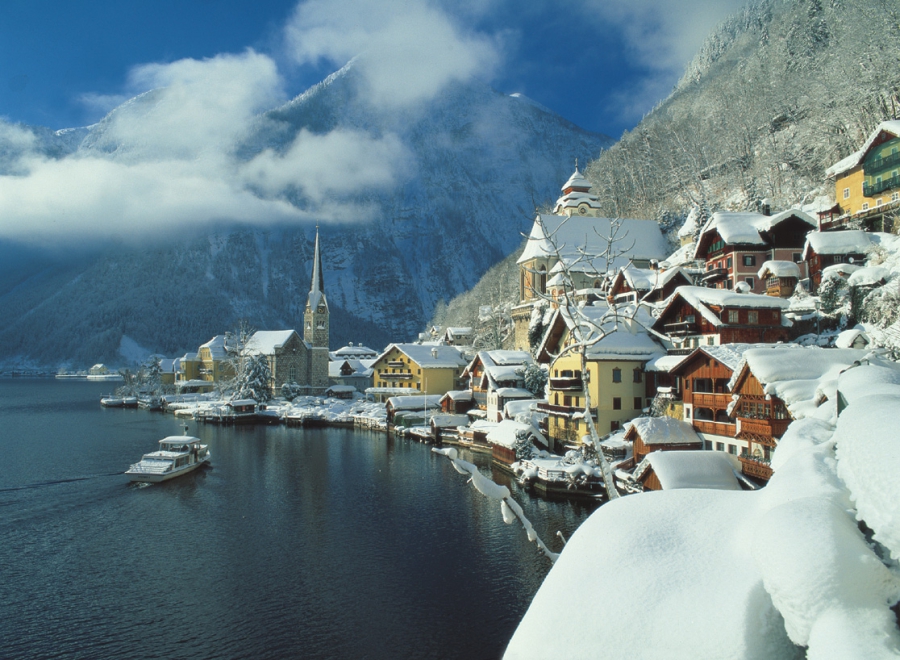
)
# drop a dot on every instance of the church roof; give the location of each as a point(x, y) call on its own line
point(577, 180)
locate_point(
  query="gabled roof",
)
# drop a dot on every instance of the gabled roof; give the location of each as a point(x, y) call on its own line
point(429, 356)
point(663, 430)
point(731, 356)
point(266, 342)
point(891, 127)
point(701, 298)
point(849, 241)
point(216, 347)
point(745, 228)
point(582, 242)
point(695, 469)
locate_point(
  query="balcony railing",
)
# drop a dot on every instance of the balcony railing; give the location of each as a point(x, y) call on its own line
point(755, 467)
point(764, 428)
point(881, 163)
point(715, 428)
point(565, 384)
point(681, 328)
point(396, 364)
point(711, 400)
point(403, 376)
point(870, 190)
point(713, 275)
point(559, 410)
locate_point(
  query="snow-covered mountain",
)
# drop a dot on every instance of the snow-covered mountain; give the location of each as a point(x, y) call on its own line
point(477, 164)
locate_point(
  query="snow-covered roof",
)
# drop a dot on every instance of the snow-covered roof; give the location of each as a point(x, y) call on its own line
point(690, 224)
point(663, 363)
point(800, 376)
point(623, 345)
point(681, 256)
point(501, 357)
point(840, 269)
point(520, 406)
point(216, 347)
point(266, 342)
point(891, 126)
point(429, 356)
point(577, 180)
point(700, 298)
point(449, 421)
point(514, 393)
point(847, 338)
point(639, 279)
point(241, 402)
point(355, 351)
point(730, 355)
point(869, 276)
point(459, 395)
point(504, 433)
point(665, 430)
point(415, 402)
point(746, 228)
point(695, 469)
point(581, 242)
point(849, 241)
point(779, 269)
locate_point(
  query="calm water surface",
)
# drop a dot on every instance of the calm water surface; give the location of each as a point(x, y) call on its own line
point(317, 543)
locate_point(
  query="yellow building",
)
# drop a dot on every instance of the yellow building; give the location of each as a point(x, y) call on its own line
point(615, 376)
point(867, 183)
point(417, 369)
point(208, 366)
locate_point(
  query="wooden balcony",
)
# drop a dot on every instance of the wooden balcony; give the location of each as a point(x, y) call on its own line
point(711, 400)
point(763, 431)
point(715, 428)
point(681, 328)
point(566, 384)
point(558, 410)
point(754, 467)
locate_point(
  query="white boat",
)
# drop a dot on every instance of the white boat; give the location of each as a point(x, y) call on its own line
point(110, 401)
point(177, 455)
point(130, 401)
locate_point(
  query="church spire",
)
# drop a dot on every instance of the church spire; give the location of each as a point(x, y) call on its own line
point(315, 317)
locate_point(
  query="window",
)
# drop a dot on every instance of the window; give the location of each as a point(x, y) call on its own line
point(895, 197)
point(749, 281)
point(733, 316)
point(720, 446)
point(879, 201)
point(638, 403)
point(710, 341)
point(865, 206)
point(752, 317)
point(728, 263)
point(732, 449)
point(798, 257)
point(638, 376)
point(749, 259)
point(617, 375)
point(567, 401)
point(846, 193)
point(418, 386)
point(617, 403)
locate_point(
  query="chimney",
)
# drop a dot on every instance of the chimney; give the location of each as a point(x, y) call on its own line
point(434, 352)
point(766, 207)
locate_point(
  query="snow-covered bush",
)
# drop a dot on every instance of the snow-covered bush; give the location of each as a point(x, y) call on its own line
point(291, 391)
point(535, 378)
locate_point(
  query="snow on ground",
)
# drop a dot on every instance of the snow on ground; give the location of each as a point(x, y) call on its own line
point(745, 574)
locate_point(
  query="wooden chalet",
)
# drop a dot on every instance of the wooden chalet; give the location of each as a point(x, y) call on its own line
point(698, 316)
point(457, 402)
point(761, 420)
point(734, 245)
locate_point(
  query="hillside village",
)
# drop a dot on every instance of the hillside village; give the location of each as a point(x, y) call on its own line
point(619, 347)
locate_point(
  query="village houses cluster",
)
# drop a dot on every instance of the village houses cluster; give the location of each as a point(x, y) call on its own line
point(673, 350)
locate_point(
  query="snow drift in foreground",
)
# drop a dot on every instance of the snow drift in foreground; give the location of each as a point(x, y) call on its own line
point(751, 574)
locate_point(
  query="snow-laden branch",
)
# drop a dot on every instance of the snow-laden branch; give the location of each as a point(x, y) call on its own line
point(509, 508)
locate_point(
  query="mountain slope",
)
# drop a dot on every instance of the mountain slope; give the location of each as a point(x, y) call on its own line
point(479, 162)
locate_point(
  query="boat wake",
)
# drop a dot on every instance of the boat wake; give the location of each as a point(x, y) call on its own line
point(44, 484)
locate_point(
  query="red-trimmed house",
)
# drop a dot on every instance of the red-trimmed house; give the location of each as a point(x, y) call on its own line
point(735, 245)
point(697, 316)
point(827, 248)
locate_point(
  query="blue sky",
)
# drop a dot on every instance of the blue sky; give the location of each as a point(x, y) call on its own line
point(600, 63)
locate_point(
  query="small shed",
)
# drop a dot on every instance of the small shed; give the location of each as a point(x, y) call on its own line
point(650, 434)
point(341, 391)
point(502, 439)
point(780, 277)
point(715, 470)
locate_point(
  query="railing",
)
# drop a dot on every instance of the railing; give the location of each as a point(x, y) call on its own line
point(681, 328)
point(711, 400)
point(714, 274)
point(680, 351)
point(881, 163)
point(715, 428)
point(565, 384)
point(396, 364)
point(404, 376)
point(870, 190)
point(755, 467)
point(768, 428)
point(564, 410)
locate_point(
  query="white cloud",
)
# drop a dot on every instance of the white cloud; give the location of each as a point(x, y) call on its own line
point(412, 49)
point(663, 34)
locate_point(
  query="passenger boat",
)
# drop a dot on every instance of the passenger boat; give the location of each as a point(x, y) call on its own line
point(177, 455)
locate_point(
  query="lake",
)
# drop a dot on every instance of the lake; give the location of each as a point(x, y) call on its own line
point(313, 543)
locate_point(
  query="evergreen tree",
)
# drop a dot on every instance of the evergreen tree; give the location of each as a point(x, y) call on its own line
point(535, 378)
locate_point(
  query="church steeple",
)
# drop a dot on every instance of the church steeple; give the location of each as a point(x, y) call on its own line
point(315, 316)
